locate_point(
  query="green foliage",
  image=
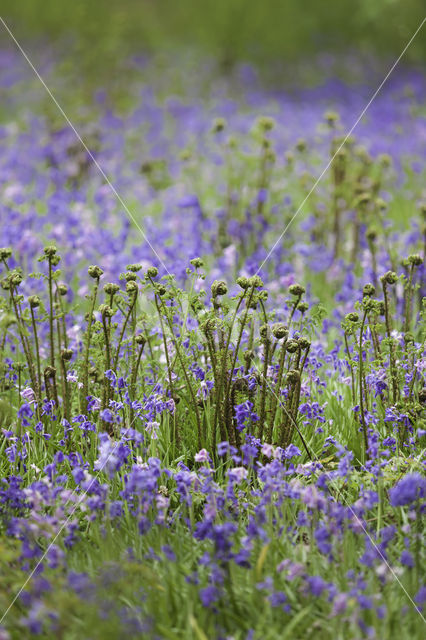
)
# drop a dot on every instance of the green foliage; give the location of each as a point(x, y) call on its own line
point(230, 30)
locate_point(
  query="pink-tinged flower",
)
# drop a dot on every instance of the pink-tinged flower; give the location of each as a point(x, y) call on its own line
point(152, 429)
point(339, 604)
point(267, 450)
point(292, 569)
point(202, 456)
point(28, 395)
point(237, 474)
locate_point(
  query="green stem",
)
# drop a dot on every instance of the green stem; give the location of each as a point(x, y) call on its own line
point(123, 329)
point(85, 390)
point(361, 380)
point(51, 336)
point(37, 352)
point(391, 346)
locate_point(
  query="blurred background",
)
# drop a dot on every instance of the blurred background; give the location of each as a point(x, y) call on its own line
point(230, 31)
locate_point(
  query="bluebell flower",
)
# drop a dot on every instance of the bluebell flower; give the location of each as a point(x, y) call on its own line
point(316, 585)
point(209, 595)
point(407, 559)
point(408, 490)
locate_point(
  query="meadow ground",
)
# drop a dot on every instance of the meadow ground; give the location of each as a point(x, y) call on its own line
point(212, 367)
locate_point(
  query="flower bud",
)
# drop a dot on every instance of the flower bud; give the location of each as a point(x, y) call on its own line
point(363, 198)
point(415, 259)
point(111, 288)
point(34, 301)
point(208, 326)
point(185, 155)
point(263, 295)
point(296, 290)
point(134, 267)
point(132, 287)
point(255, 282)
point(302, 307)
point(331, 117)
point(219, 288)
point(293, 376)
point(371, 234)
point(301, 145)
point(266, 123)
point(140, 339)
point(381, 308)
point(368, 290)
point(304, 343)
point(243, 282)
point(50, 251)
point(264, 331)
point(385, 160)
point(219, 124)
point(106, 311)
point(352, 317)
point(66, 354)
point(15, 278)
point(49, 372)
point(152, 272)
point(279, 330)
point(5, 253)
point(389, 277)
point(381, 204)
point(62, 289)
point(197, 263)
point(130, 276)
point(94, 272)
point(368, 304)
point(292, 346)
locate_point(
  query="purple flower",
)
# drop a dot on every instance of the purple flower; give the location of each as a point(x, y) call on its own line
point(78, 475)
point(28, 395)
point(202, 456)
point(243, 413)
point(339, 604)
point(224, 447)
point(407, 490)
point(116, 509)
point(80, 583)
point(112, 455)
point(407, 559)
point(168, 552)
point(322, 536)
point(107, 415)
point(420, 597)
point(365, 602)
point(316, 585)
point(25, 413)
point(291, 451)
point(277, 599)
point(209, 595)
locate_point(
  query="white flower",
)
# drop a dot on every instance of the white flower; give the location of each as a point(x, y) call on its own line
point(28, 394)
point(267, 450)
point(202, 456)
point(152, 428)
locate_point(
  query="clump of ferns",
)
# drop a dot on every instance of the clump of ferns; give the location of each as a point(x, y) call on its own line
point(373, 344)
